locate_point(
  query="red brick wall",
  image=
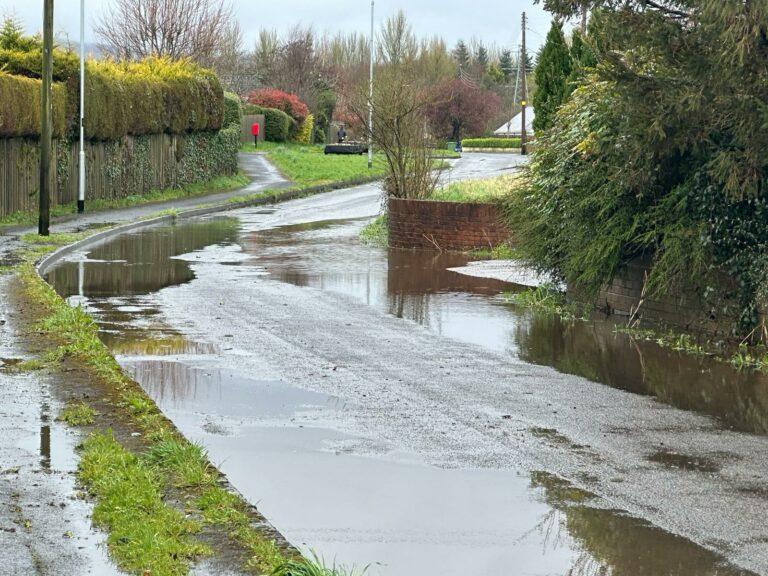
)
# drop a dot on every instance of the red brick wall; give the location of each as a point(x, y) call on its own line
point(447, 225)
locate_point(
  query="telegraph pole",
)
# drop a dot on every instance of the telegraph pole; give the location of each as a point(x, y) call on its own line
point(524, 101)
point(46, 128)
point(370, 91)
point(81, 182)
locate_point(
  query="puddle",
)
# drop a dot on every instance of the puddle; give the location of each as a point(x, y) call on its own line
point(332, 492)
point(322, 493)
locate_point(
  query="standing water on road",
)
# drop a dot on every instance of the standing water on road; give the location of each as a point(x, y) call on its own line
point(295, 431)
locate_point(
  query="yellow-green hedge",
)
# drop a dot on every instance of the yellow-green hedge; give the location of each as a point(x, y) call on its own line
point(20, 107)
point(150, 97)
point(305, 131)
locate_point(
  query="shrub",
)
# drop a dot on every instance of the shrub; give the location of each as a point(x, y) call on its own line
point(21, 108)
point(233, 110)
point(277, 124)
point(149, 97)
point(304, 135)
point(501, 143)
point(288, 103)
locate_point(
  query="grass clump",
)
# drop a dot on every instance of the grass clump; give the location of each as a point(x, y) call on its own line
point(376, 233)
point(314, 566)
point(78, 414)
point(186, 463)
point(486, 190)
point(145, 534)
point(500, 252)
point(222, 508)
point(547, 299)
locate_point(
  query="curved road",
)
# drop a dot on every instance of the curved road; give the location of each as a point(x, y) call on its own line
point(372, 437)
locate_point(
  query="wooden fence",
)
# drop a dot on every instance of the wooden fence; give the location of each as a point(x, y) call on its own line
point(114, 169)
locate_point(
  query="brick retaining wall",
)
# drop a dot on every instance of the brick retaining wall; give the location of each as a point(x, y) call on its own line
point(445, 225)
point(682, 307)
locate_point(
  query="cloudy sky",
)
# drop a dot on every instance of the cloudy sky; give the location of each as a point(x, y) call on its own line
point(493, 21)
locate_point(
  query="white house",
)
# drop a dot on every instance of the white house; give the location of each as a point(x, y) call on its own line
point(514, 127)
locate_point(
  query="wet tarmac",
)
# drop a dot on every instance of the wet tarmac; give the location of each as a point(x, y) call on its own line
point(380, 408)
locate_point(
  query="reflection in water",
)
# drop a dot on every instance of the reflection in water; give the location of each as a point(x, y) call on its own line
point(739, 399)
point(118, 278)
point(620, 545)
point(144, 262)
point(45, 437)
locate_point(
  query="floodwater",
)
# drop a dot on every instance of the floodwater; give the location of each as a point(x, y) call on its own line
point(321, 489)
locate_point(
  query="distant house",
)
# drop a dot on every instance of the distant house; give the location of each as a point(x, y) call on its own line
point(514, 128)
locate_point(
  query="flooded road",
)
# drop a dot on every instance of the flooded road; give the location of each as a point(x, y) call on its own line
point(380, 408)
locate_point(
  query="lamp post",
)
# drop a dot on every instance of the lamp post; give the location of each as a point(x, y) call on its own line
point(81, 182)
point(370, 92)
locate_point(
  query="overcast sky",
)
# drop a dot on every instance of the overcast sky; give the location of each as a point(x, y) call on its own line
point(493, 21)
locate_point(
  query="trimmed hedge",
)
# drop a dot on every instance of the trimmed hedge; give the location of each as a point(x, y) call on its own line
point(501, 143)
point(150, 97)
point(233, 110)
point(21, 108)
point(278, 124)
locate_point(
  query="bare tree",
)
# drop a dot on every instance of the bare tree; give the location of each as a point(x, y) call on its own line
point(173, 28)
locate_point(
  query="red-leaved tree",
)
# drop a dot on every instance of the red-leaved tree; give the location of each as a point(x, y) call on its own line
point(459, 109)
point(273, 98)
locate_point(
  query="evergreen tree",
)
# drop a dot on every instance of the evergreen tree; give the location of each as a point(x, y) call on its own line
point(552, 71)
point(582, 59)
point(461, 55)
point(481, 56)
point(506, 64)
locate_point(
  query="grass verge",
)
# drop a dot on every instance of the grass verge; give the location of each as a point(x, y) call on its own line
point(308, 166)
point(376, 233)
point(484, 191)
point(137, 491)
point(221, 184)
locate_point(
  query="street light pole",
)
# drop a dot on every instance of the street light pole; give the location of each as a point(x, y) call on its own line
point(370, 91)
point(46, 131)
point(81, 190)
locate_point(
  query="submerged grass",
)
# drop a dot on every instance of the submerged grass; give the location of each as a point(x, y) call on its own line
point(314, 566)
point(220, 184)
point(547, 299)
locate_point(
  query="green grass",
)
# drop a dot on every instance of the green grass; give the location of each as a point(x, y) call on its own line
point(486, 190)
point(78, 414)
point(547, 299)
point(376, 233)
point(186, 463)
point(145, 535)
point(314, 566)
point(500, 252)
point(221, 184)
point(308, 166)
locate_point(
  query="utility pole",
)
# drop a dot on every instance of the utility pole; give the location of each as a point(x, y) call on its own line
point(81, 182)
point(370, 91)
point(524, 101)
point(46, 128)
